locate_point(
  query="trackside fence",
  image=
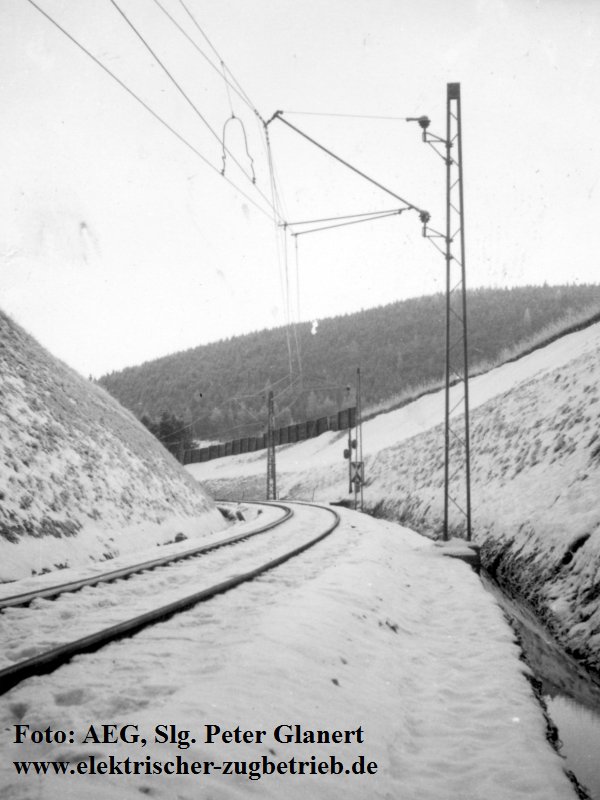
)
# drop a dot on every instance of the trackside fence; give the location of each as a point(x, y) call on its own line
point(344, 419)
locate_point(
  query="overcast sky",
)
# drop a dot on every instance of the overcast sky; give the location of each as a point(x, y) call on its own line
point(119, 244)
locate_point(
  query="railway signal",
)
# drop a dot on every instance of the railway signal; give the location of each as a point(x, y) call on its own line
point(357, 472)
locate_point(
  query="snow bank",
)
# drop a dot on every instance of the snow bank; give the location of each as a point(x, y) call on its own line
point(373, 628)
point(535, 431)
point(80, 477)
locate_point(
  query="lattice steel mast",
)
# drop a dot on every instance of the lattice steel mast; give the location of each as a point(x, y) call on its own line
point(457, 448)
point(271, 471)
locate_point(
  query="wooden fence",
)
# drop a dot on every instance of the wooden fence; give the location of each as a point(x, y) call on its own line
point(291, 433)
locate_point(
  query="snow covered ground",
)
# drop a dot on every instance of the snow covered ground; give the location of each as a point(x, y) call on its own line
point(535, 470)
point(40, 626)
point(374, 629)
point(80, 478)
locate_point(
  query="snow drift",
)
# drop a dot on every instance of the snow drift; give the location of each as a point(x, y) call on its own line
point(80, 477)
point(535, 430)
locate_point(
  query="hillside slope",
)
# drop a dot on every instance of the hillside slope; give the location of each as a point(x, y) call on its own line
point(80, 477)
point(221, 387)
point(535, 478)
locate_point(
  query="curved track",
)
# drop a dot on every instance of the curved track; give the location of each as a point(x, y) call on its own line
point(51, 659)
point(24, 598)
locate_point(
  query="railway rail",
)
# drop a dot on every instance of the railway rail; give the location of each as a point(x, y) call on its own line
point(54, 657)
point(24, 598)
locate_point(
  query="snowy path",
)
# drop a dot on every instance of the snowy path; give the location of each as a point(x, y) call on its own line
point(46, 623)
point(371, 628)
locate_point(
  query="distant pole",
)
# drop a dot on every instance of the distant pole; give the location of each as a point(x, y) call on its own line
point(271, 471)
point(359, 433)
point(349, 450)
point(349, 454)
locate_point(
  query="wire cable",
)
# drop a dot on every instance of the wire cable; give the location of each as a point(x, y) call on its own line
point(411, 206)
point(353, 116)
point(295, 325)
point(352, 222)
point(277, 202)
point(231, 400)
point(221, 61)
point(240, 93)
point(145, 105)
point(298, 317)
point(185, 96)
point(255, 394)
point(232, 84)
point(283, 272)
point(345, 216)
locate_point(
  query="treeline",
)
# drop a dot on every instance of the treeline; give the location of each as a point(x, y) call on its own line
point(220, 390)
point(172, 431)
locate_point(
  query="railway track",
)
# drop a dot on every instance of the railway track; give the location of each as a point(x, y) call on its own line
point(55, 590)
point(53, 656)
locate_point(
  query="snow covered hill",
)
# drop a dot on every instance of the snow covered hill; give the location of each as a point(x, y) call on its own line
point(535, 467)
point(80, 477)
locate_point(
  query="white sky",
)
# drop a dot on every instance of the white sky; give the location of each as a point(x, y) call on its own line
point(118, 244)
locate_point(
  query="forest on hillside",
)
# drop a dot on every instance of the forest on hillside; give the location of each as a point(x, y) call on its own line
point(220, 390)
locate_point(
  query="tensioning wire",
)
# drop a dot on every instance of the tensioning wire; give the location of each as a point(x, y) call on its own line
point(145, 105)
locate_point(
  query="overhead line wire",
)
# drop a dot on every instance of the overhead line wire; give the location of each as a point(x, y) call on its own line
point(277, 200)
point(186, 97)
point(255, 394)
point(257, 421)
point(297, 283)
point(240, 93)
point(354, 116)
point(352, 222)
point(283, 268)
point(235, 86)
point(243, 92)
point(345, 216)
point(216, 52)
point(150, 110)
point(197, 24)
point(229, 400)
point(411, 206)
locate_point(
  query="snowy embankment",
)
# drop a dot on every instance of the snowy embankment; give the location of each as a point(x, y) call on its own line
point(373, 629)
point(535, 431)
point(80, 478)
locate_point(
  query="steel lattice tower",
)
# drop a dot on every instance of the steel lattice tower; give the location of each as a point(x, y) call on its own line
point(457, 447)
point(271, 471)
point(457, 450)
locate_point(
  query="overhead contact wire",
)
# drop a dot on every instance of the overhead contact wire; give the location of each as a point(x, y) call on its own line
point(344, 224)
point(353, 116)
point(282, 268)
point(278, 116)
point(345, 216)
point(185, 95)
point(297, 264)
point(240, 93)
point(145, 105)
